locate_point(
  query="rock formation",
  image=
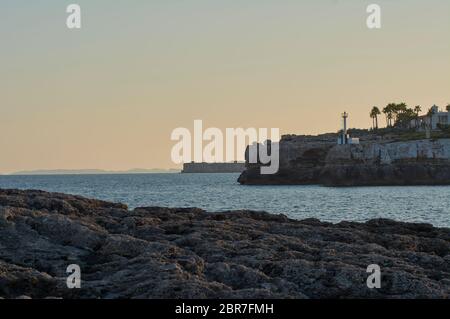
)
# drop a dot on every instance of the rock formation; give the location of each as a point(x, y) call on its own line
point(321, 161)
point(189, 253)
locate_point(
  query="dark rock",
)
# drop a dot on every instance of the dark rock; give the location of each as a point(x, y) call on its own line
point(189, 253)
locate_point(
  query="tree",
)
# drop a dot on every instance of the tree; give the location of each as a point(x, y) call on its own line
point(389, 112)
point(430, 113)
point(405, 118)
point(399, 109)
point(417, 110)
point(448, 107)
point(374, 115)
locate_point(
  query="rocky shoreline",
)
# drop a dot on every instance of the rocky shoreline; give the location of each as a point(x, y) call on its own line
point(189, 253)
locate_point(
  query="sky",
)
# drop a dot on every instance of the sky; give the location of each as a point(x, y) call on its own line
point(109, 95)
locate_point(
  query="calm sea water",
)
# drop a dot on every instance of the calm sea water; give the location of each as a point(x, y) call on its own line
point(219, 192)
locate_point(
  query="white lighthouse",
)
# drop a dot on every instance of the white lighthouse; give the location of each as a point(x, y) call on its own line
point(345, 138)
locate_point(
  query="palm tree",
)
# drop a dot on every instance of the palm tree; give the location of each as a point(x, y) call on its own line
point(373, 119)
point(386, 111)
point(429, 125)
point(417, 110)
point(389, 112)
point(402, 107)
point(390, 117)
point(374, 115)
point(399, 109)
point(405, 118)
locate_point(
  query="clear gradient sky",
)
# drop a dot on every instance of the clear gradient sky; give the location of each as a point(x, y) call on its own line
point(108, 96)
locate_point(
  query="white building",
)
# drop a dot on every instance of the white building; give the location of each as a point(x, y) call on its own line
point(437, 118)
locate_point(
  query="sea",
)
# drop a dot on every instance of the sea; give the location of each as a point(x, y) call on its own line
point(222, 192)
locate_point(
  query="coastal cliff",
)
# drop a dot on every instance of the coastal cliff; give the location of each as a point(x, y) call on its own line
point(373, 162)
point(190, 253)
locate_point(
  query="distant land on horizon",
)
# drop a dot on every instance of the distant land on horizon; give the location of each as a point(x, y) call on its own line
point(94, 171)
